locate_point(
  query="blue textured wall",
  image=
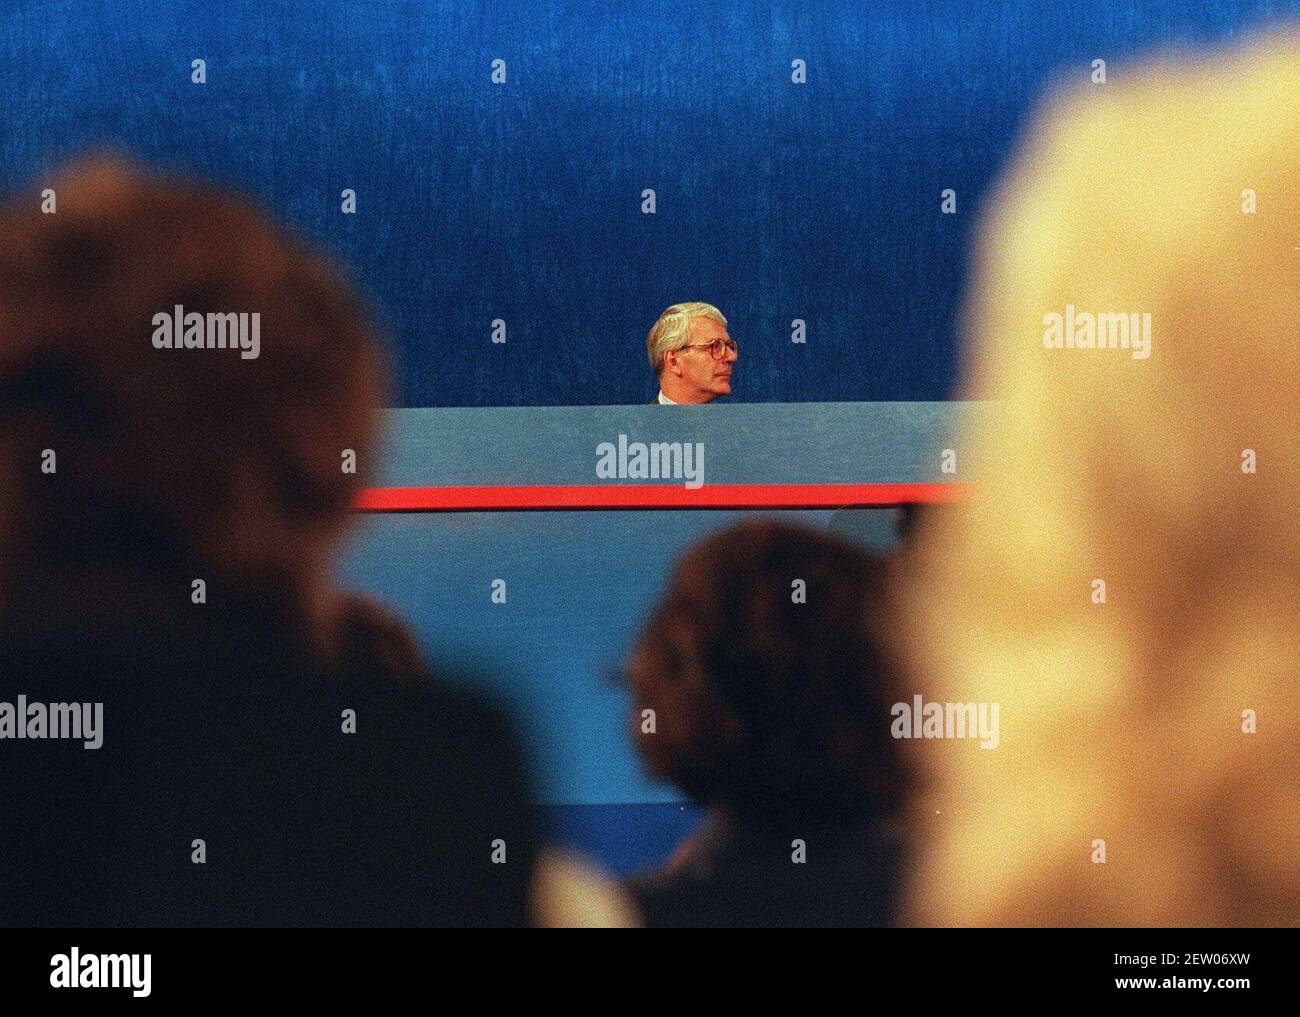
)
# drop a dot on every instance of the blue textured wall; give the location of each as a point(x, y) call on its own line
point(522, 201)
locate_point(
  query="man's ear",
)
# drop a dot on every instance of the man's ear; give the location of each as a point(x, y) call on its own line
point(671, 362)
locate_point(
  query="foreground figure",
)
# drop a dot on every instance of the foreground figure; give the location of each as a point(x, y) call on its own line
point(761, 692)
point(264, 751)
point(1124, 585)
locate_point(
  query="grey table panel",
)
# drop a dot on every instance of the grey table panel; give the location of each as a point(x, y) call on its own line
point(783, 443)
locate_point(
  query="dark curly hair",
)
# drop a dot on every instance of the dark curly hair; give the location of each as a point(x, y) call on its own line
point(774, 709)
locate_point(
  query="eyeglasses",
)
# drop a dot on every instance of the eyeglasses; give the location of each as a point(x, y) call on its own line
point(718, 348)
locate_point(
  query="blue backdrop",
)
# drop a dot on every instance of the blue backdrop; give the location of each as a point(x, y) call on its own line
point(522, 201)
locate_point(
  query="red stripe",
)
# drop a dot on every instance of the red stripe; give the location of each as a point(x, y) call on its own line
point(648, 496)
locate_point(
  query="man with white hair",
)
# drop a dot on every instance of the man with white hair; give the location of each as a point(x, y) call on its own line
point(691, 354)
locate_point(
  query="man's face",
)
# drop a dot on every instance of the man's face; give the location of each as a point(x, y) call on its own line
point(701, 375)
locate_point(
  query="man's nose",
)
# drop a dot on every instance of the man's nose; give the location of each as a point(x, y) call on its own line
point(732, 355)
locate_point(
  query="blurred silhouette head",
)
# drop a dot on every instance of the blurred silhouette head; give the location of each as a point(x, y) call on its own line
point(1124, 584)
point(199, 460)
point(770, 694)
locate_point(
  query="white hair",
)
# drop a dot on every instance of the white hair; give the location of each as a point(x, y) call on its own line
point(672, 330)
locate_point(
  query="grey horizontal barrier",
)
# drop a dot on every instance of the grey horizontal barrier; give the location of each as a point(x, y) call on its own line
point(756, 443)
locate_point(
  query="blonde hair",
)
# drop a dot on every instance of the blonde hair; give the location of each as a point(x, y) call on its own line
point(672, 330)
point(1123, 721)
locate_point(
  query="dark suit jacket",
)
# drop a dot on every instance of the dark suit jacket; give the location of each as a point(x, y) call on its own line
point(218, 728)
point(729, 876)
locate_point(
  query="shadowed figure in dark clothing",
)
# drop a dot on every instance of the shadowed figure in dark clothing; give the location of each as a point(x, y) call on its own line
point(762, 692)
point(271, 751)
